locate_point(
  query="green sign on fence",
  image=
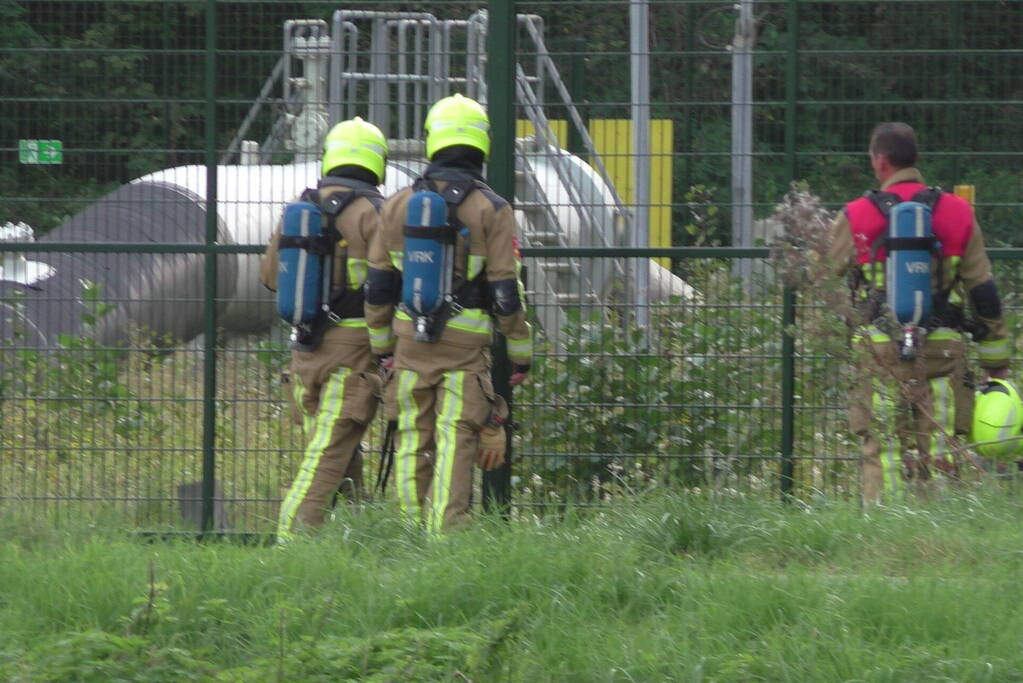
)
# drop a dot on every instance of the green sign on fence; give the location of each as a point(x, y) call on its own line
point(40, 151)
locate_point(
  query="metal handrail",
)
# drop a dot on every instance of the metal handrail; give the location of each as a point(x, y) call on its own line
point(559, 85)
point(541, 124)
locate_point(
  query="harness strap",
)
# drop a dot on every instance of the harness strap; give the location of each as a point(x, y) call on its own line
point(321, 245)
point(916, 243)
point(442, 234)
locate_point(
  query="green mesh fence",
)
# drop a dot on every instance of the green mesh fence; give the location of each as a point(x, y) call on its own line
point(147, 148)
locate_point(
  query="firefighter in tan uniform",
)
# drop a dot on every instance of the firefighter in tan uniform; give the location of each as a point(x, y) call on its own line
point(448, 417)
point(336, 385)
point(902, 405)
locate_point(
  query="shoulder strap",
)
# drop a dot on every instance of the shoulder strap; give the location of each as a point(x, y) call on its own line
point(884, 201)
point(454, 193)
point(930, 196)
point(337, 202)
point(359, 188)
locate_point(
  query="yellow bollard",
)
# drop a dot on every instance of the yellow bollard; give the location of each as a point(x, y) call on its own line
point(967, 192)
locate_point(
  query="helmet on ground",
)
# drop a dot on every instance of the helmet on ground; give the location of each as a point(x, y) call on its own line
point(358, 143)
point(997, 415)
point(457, 120)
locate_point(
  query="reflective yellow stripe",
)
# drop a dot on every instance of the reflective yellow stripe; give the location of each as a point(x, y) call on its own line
point(943, 334)
point(874, 334)
point(381, 336)
point(944, 414)
point(446, 434)
point(407, 445)
point(323, 426)
point(951, 270)
point(520, 347)
point(873, 273)
point(871, 332)
point(472, 320)
point(882, 405)
point(476, 264)
point(351, 322)
point(993, 350)
point(398, 260)
point(357, 270)
point(297, 394)
point(890, 454)
point(891, 467)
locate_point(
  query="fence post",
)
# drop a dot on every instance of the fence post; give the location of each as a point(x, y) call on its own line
point(788, 368)
point(788, 391)
point(502, 27)
point(791, 81)
point(209, 413)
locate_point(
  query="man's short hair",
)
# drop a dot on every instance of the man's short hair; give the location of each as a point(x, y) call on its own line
point(896, 141)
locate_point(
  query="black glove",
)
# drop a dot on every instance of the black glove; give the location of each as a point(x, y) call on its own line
point(518, 375)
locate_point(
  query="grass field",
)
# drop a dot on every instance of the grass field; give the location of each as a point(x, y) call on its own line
point(670, 589)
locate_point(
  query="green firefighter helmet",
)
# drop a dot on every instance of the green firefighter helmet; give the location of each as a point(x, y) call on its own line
point(358, 143)
point(457, 120)
point(997, 416)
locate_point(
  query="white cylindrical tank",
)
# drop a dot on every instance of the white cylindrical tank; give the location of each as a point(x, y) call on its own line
point(250, 200)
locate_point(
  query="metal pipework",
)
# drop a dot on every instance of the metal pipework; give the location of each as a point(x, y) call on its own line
point(639, 40)
point(379, 111)
point(742, 134)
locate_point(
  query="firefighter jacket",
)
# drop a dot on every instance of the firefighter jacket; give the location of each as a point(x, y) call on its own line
point(357, 223)
point(967, 298)
point(493, 261)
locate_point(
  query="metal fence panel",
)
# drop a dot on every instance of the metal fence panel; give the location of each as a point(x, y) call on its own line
point(149, 146)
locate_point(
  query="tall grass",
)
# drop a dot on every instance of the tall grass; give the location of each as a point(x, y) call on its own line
point(674, 588)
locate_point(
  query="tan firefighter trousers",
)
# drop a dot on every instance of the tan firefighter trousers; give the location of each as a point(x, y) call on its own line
point(906, 412)
point(336, 391)
point(442, 396)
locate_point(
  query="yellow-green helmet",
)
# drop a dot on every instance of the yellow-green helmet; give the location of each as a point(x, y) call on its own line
point(997, 415)
point(358, 143)
point(457, 120)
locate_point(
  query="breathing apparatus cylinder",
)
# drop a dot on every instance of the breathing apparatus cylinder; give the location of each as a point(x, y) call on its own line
point(428, 261)
point(908, 284)
point(303, 278)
